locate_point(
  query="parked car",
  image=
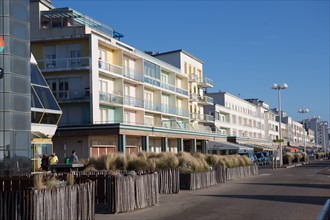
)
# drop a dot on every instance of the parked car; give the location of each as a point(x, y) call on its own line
point(261, 158)
point(251, 156)
point(267, 156)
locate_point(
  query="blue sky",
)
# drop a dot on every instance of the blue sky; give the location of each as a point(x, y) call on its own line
point(245, 45)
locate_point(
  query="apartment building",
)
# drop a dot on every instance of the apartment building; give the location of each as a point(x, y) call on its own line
point(114, 97)
point(243, 121)
point(321, 132)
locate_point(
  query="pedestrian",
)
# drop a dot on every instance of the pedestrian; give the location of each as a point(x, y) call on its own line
point(73, 158)
point(53, 159)
point(44, 162)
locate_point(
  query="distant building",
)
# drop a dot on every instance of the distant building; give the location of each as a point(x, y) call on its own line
point(321, 132)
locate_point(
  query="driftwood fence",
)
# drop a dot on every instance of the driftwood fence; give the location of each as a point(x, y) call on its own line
point(192, 181)
point(239, 172)
point(169, 181)
point(127, 193)
point(67, 202)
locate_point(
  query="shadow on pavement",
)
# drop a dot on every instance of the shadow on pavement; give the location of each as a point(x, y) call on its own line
point(314, 200)
point(319, 186)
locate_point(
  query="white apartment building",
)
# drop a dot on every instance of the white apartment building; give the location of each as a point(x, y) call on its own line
point(243, 121)
point(113, 96)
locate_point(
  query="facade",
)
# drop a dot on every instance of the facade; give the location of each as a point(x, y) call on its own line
point(114, 97)
point(243, 121)
point(15, 114)
point(321, 133)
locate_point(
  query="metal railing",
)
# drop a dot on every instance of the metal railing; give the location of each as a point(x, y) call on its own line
point(64, 63)
point(167, 86)
point(71, 95)
point(110, 98)
point(202, 117)
point(133, 101)
point(206, 99)
point(182, 91)
point(110, 67)
point(132, 74)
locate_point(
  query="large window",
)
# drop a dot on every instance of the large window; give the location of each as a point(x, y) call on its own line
point(151, 70)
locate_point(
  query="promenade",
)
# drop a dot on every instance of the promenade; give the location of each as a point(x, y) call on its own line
point(285, 193)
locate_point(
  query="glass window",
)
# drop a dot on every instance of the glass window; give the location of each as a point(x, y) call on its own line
point(46, 98)
point(35, 103)
point(50, 118)
point(19, 10)
point(36, 77)
point(36, 117)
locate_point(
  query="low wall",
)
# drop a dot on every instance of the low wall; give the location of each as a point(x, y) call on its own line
point(193, 181)
point(239, 172)
point(66, 202)
point(127, 193)
point(169, 181)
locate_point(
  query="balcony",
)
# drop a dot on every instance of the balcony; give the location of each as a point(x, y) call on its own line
point(133, 101)
point(193, 97)
point(72, 95)
point(206, 100)
point(64, 64)
point(110, 67)
point(168, 109)
point(193, 77)
point(201, 117)
point(167, 86)
point(206, 83)
point(153, 106)
point(132, 74)
point(182, 112)
point(110, 98)
point(152, 81)
point(182, 91)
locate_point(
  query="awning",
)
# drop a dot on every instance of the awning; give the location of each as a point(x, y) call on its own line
point(219, 145)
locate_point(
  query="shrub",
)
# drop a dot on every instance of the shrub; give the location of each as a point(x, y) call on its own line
point(38, 182)
point(167, 160)
point(70, 180)
point(298, 155)
point(120, 162)
point(288, 155)
point(212, 159)
point(137, 164)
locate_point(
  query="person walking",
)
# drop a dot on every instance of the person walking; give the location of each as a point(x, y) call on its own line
point(44, 162)
point(73, 158)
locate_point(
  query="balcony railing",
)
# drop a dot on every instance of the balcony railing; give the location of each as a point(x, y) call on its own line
point(64, 63)
point(167, 86)
point(201, 117)
point(111, 98)
point(206, 82)
point(193, 97)
point(153, 106)
point(168, 109)
point(71, 95)
point(110, 67)
point(132, 74)
point(182, 91)
point(193, 77)
point(132, 101)
point(206, 99)
point(182, 112)
point(151, 81)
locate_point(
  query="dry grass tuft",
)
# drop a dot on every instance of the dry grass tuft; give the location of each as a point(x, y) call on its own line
point(38, 182)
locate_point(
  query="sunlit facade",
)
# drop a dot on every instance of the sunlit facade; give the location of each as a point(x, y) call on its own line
point(114, 97)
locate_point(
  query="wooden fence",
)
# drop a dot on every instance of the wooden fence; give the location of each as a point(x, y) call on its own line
point(169, 181)
point(127, 193)
point(193, 181)
point(220, 174)
point(239, 172)
point(66, 202)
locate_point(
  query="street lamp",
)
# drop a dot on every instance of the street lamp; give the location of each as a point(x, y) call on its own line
point(278, 88)
point(303, 111)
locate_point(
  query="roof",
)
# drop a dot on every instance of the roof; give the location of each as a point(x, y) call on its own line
point(179, 51)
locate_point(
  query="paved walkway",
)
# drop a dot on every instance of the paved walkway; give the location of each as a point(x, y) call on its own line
point(296, 193)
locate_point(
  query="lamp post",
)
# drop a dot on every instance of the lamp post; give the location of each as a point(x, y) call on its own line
point(279, 88)
point(303, 111)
